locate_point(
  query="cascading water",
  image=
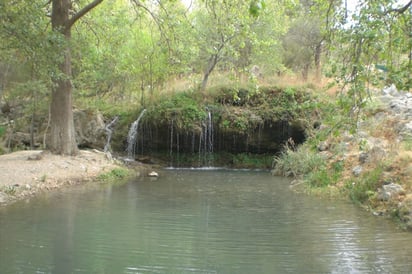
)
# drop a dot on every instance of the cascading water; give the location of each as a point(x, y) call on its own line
point(132, 137)
point(209, 133)
point(109, 132)
point(206, 141)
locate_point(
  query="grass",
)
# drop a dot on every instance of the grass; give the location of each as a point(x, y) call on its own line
point(406, 144)
point(115, 175)
point(10, 190)
point(297, 162)
point(2, 131)
point(362, 188)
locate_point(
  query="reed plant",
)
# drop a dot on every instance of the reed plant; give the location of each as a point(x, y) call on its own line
point(294, 162)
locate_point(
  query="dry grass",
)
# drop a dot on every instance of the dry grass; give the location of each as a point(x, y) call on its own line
point(192, 81)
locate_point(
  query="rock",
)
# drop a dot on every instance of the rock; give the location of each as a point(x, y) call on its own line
point(145, 160)
point(407, 171)
point(153, 174)
point(323, 146)
point(109, 156)
point(357, 170)
point(35, 157)
point(391, 90)
point(3, 197)
point(389, 191)
point(363, 157)
point(90, 129)
point(404, 211)
point(376, 154)
point(406, 131)
point(22, 139)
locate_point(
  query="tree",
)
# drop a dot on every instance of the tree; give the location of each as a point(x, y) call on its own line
point(301, 45)
point(221, 27)
point(62, 131)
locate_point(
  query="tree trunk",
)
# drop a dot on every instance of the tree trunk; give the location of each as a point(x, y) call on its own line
point(62, 134)
point(305, 72)
point(210, 66)
point(318, 54)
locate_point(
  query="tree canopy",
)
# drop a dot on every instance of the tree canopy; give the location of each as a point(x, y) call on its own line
point(132, 50)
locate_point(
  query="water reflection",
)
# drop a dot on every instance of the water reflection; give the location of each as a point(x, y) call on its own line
point(198, 222)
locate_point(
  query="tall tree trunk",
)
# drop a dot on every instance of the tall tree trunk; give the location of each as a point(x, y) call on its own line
point(305, 72)
point(62, 131)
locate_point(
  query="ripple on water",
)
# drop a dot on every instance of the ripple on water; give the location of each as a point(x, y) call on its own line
point(198, 221)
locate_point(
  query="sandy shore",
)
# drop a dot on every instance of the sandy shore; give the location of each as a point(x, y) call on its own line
point(25, 173)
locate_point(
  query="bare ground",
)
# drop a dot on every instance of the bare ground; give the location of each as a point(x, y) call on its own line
point(25, 173)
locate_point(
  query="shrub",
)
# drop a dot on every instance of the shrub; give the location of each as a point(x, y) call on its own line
point(114, 175)
point(297, 162)
point(365, 187)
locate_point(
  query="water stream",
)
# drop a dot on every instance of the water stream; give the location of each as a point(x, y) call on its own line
point(132, 137)
point(197, 221)
point(206, 142)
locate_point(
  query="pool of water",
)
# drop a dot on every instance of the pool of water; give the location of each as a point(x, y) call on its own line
point(196, 221)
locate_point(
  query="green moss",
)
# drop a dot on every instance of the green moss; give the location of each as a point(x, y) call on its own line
point(248, 160)
point(182, 109)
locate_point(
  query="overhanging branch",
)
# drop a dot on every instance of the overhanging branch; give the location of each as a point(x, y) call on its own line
point(82, 12)
point(402, 9)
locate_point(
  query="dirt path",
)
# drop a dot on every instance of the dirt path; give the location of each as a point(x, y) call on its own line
point(25, 173)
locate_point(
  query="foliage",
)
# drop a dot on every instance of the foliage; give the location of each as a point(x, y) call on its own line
point(115, 175)
point(326, 175)
point(364, 187)
point(182, 110)
point(298, 162)
point(247, 160)
point(2, 131)
point(10, 189)
point(371, 47)
point(128, 52)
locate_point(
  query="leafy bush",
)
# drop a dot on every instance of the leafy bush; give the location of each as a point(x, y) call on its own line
point(114, 175)
point(325, 176)
point(2, 131)
point(297, 162)
point(185, 111)
point(363, 188)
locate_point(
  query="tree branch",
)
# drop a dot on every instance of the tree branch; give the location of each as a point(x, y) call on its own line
point(156, 19)
point(402, 9)
point(82, 12)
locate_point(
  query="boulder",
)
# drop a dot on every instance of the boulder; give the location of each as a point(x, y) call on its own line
point(90, 129)
point(323, 146)
point(390, 191)
point(391, 90)
point(153, 174)
point(357, 170)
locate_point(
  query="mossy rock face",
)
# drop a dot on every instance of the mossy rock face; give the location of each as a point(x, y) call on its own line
point(232, 120)
point(182, 110)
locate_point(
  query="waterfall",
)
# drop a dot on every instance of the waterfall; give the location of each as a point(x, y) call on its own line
point(109, 132)
point(209, 133)
point(132, 137)
point(206, 141)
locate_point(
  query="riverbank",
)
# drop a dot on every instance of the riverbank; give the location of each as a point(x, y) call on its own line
point(366, 156)
point(24, 174)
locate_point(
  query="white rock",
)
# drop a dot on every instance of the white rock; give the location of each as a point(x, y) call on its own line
point(153, 174)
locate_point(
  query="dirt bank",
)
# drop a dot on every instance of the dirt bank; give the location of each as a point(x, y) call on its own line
point(25, 173)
